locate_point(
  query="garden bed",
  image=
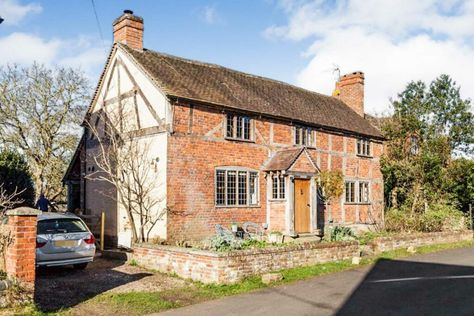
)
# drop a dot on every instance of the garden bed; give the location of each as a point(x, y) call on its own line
point(230, 267)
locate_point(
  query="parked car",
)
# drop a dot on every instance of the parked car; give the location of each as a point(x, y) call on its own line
point(63, 239)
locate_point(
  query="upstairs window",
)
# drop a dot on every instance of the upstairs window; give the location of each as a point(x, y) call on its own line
point(363, 147)
point(278, 187)
point(238, 127)
point(235, 187)
point(304, 136)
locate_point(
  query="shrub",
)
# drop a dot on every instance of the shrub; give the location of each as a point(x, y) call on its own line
point(15, 175)
point(438, 217)
point(342, 233)
point(219, 243)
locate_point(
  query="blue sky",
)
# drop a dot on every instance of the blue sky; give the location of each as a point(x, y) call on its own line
point(297, 41)
point(229, 33)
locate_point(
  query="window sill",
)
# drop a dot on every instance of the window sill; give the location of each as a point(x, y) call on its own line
point(364, 156)
point(240, 140)
point(237, 206)
point(276, 200)
point(357, 203)
point(307, 146)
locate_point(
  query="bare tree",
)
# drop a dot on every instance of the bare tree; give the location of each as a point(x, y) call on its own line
point(40, 109)
point(9, 200)
point(124, 161)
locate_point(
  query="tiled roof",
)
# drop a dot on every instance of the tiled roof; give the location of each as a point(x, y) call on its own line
point(217, 85)
point(283, 159)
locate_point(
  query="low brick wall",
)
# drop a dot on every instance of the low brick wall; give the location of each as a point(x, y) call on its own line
point(215, 267)
point(382, 244)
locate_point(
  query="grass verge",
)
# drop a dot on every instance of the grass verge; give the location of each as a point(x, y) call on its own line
point(141, 303)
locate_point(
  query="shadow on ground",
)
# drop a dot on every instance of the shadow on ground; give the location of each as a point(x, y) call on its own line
point(395, 287)
point(63, 287)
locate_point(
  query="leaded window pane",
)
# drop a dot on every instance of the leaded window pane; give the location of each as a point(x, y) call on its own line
point(246, 128)
point(220, 187)
point(230, 126)
point(231, 187)
point(242, 187)
point(350, 194)
point(236, 187)
point(282, 187)
point(253, 188)
point(275, 187)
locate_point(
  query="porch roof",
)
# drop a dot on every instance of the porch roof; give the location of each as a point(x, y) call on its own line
point(284, 159)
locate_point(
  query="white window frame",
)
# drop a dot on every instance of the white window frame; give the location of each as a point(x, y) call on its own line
point(353, 184)
point(363, 192)
point(364, 147)
point(358, 195)
point(278, 187)
point(304, 136)
point(238, 120)
point(252, 199)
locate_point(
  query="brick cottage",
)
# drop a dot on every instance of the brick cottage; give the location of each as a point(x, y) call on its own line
point(231, 147)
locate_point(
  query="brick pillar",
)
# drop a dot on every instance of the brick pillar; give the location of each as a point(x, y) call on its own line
point(21, 253)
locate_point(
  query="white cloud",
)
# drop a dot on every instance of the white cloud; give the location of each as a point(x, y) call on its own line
point(210, 15)
point(393, 42)
point(82, 52)
point(13, 12)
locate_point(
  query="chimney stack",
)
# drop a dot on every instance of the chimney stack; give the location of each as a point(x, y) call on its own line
point(350, 90)
point(128, 30)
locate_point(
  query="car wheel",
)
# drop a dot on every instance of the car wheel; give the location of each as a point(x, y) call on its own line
point(80, 266)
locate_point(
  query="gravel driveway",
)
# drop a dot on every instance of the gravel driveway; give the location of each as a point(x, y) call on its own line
point(63, 287)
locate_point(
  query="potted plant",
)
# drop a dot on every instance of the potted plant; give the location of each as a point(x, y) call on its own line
point(275, 237)
point(234, 227)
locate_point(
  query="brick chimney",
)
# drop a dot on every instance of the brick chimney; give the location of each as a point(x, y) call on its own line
point(128, 30)
point(350, 90)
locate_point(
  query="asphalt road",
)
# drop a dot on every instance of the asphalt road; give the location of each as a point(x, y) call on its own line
point(433, 284)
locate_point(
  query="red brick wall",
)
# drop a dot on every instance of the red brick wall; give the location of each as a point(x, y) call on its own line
point(350, 90)
point(192, 159)
point(277, 216)
point(213, 267)
point(129, 31)
point(20, 254)
point(198, 146)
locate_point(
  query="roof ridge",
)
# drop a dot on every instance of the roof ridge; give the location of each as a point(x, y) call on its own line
point(213, 65)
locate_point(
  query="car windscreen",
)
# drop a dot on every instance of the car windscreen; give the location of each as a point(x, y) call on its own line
point(61, 225)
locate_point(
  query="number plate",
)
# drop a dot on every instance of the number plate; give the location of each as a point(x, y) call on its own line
point(65, 243)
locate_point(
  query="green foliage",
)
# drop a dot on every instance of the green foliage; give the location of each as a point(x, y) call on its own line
point(15, 175)
point(439, 217)
point(218, 243)
point(431, 125)
point(141, 303)
point(460, 183)
point(342, 233)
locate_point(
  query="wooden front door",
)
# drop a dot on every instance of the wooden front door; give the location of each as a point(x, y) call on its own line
point(302, 209)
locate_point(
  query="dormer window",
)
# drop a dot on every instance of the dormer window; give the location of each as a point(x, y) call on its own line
point(238, 127)
point(363, 147)
point(304, 136)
